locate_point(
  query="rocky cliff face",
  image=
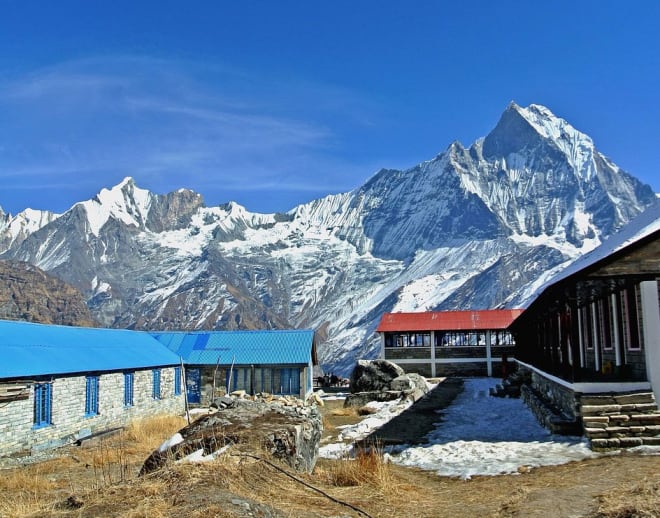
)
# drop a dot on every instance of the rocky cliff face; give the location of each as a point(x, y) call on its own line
point(472, 228)
point(28, 293)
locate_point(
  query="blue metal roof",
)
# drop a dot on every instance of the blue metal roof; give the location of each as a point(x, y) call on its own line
point(279, 347)
point(28, 349)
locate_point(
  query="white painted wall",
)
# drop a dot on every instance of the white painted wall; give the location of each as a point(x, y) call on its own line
point(651, 329)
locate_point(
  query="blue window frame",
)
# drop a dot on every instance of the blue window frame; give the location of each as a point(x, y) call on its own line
point(155, 392)
point(177, 381)
point(290, 381)
point(43, 405)
point(129, 380)
point(91, 395)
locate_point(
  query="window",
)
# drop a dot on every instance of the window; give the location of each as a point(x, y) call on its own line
point(91, 395)
point(155, 392)
point(43, 404)
point(290, 381)
point(177, 381)
point(129, 380)
point(246, 379)
point(408, 340)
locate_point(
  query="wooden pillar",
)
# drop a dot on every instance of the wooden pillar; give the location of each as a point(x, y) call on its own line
point(489, 358)
point(433, 354)
point(615, 326)
point(575, 341)
point(581, 338)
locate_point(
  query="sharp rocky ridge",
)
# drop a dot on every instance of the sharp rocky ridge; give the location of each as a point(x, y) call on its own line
point(477, 227)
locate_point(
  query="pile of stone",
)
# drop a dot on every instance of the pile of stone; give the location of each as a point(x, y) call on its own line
point(382, 380)
point(281, 429)
point(511, 385)
point(263, 397)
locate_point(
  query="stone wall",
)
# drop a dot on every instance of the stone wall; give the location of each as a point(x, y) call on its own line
point(413, 353)
point(475, 368)
point(608, 420)
point(69, 423)
point(559, 396)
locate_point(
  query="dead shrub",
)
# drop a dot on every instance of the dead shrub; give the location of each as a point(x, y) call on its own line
point(368, 467)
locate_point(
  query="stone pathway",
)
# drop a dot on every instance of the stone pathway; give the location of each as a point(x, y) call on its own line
point(413, 424)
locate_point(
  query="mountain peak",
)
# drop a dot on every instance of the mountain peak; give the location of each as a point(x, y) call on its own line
point(125, 201)
point(522, 128)
point(128, 180)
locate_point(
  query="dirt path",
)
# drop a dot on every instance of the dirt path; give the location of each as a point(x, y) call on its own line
point(412, 425)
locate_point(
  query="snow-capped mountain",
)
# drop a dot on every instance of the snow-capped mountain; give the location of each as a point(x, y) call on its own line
point(14, 229)
point(475, 227)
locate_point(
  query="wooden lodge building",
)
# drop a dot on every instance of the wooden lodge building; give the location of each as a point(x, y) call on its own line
point(449, 343)
point(591, 338)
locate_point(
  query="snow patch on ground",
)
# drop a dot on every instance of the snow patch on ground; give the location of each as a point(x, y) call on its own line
point(483, 435)
point(385, 411)
point(476, 435)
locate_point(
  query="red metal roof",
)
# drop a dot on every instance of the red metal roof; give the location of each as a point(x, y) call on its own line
point(448, 320)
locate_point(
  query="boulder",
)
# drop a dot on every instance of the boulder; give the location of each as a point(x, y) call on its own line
point(419, 382)
point(288, 433)
point(402, 383)
point(222, 402)
point(374, 375)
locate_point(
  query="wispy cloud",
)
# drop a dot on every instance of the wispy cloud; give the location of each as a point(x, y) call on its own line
point(171, 124)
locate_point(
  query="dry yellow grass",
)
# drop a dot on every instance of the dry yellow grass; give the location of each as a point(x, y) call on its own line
point(150, 432)
point(369, 467)
point(36, 490)
point(74, 485)
point(639, 500)
point(335, 415)
point(345, 412)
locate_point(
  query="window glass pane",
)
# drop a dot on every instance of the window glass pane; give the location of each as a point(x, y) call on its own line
point(156, 384)
point(177, 381)
point(128, 388)
point(43, 399)
point(91, 395)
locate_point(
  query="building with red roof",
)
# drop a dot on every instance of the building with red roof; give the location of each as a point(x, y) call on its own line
point(443, 343)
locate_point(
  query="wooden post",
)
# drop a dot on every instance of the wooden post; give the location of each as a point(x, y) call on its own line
point(231, 374)
point(184, 382)
point(215, 373)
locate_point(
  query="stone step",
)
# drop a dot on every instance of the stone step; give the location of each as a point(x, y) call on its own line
point(618, 399)
point(512, 391)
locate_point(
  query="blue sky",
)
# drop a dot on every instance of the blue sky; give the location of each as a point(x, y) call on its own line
point(275, 103)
